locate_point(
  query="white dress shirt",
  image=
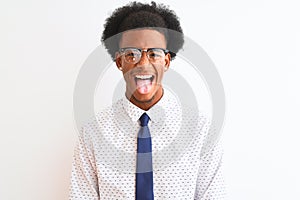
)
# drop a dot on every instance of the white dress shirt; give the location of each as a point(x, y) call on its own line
point(187, 161)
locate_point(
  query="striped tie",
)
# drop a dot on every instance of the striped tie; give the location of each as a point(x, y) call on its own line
point(144, 172)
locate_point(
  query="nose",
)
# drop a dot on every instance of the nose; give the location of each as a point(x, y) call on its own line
point(144, 59)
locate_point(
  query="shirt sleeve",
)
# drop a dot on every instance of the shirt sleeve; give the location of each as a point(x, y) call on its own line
point(210, 181)
point(84, 181)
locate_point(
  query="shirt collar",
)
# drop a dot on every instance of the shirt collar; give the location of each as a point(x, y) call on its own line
point(157, 112)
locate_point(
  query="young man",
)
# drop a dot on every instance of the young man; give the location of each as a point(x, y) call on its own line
point(147, 145)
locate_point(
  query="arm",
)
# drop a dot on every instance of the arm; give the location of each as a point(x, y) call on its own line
point(84, 181)
point(210, 182)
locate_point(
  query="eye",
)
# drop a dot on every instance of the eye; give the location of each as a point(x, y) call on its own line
point(132, 53)
point(155, 53)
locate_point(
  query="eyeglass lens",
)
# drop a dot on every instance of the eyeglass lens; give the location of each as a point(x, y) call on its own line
point(134, 55)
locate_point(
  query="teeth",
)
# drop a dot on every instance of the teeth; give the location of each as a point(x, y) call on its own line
point(143, 76)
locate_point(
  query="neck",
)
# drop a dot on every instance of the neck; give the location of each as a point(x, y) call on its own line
point(146, 105)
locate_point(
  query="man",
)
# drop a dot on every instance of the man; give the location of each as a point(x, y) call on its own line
point(147, 145)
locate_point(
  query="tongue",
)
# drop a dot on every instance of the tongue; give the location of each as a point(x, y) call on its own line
point(143, 86)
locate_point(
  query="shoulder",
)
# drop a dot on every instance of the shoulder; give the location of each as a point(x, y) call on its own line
point(101, 120)
point(193, 116)
point(188, 112)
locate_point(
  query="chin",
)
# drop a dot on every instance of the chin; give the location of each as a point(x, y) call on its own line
point(144, 97)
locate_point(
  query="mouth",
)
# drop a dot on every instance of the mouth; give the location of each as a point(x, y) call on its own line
point(144, 82)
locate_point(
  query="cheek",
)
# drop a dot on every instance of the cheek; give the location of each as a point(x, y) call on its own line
point(160, 71)
point(126, 75)
point(126, 68)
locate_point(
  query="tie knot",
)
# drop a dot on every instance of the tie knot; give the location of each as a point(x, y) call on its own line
point(144, 119)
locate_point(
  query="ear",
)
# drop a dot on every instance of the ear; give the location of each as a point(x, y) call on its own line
point(167, 61)
point(118, 60)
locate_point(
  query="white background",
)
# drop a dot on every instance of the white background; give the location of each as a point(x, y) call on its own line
point(254, 44)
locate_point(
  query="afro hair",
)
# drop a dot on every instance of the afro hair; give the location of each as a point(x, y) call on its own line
point(138, 15)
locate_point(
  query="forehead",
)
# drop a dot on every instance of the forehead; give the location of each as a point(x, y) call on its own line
point(143, 38)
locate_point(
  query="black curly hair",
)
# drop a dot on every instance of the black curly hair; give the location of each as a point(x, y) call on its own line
point(138, 15)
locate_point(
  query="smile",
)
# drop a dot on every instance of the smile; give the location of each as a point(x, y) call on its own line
point(143, 77)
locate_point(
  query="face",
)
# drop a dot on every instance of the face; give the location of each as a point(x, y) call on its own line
point(143, 79)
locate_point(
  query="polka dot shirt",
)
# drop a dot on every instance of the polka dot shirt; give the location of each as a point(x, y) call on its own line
point(187, 159)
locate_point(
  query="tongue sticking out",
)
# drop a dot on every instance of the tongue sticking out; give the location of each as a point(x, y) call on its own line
point(144, 85)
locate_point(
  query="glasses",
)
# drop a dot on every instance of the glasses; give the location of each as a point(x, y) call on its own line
point(133, 55)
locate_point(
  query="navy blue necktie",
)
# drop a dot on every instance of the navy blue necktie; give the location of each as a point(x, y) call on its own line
point(144, 172)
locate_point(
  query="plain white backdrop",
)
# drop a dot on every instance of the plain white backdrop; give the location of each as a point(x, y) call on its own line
point(254, 44)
